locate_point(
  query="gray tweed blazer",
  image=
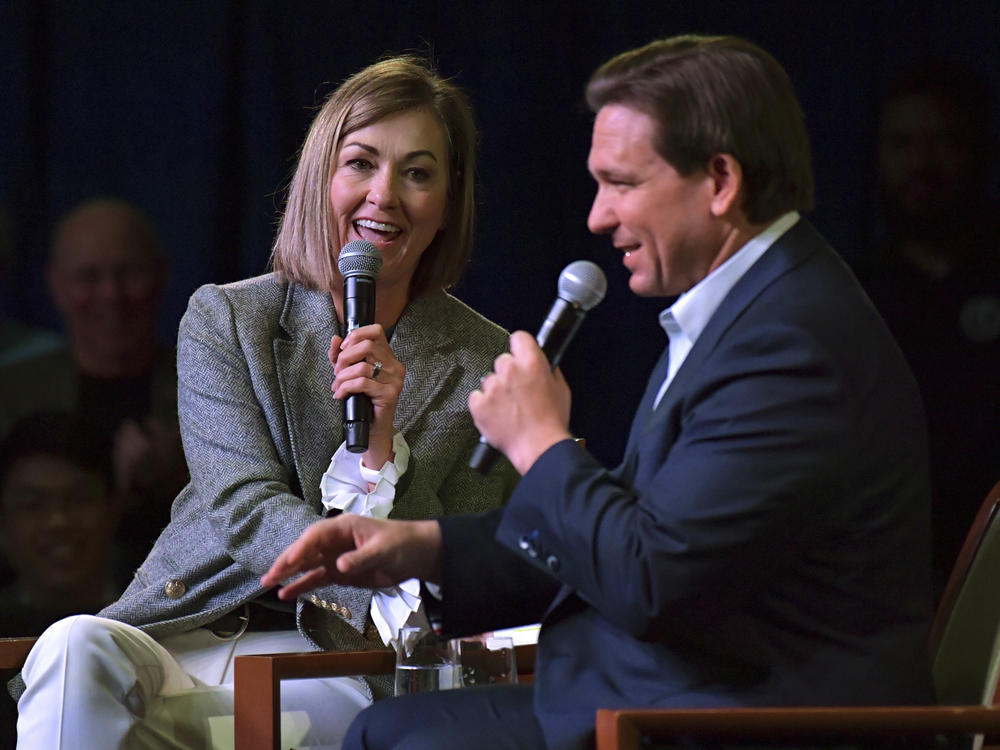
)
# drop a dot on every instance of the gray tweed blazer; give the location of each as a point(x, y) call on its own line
point(259, 426)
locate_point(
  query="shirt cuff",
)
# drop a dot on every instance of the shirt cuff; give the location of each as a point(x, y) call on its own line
point(344, 486)
point(396, 606)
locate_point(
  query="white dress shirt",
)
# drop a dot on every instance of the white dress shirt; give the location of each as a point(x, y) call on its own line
point(684, 320)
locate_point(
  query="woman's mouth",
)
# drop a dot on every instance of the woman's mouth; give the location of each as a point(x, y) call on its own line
point(376, 231)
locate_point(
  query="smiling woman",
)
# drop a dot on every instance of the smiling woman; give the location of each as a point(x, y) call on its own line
point(309, 227)
point(389, 160)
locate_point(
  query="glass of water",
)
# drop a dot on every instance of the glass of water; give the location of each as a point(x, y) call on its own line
point(484, 660)
point(423, 662)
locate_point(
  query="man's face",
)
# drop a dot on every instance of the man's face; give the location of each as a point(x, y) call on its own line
point(659, 219)
point(925, 161)
point(58, 522)
point(105, 281)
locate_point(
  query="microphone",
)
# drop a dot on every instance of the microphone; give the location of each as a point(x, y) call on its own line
point(581, 286)
point(359, 264)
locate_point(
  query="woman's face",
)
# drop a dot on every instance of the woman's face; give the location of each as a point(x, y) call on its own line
point(390, 187)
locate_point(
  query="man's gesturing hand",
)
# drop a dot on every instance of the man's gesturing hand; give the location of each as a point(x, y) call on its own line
point(355, 550)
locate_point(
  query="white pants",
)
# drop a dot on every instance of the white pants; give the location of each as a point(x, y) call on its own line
point(98, 684)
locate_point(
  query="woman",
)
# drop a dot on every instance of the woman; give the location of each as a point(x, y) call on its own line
point(389, 159)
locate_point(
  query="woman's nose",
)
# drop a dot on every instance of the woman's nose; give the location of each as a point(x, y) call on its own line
point(382, 190)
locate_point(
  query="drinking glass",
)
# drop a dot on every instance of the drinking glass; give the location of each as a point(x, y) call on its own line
point(423, 662)
point(484, 660)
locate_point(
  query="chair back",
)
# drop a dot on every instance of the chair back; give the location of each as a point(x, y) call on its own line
point(965, 638)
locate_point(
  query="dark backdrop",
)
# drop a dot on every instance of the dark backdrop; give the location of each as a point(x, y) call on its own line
point(194, 110)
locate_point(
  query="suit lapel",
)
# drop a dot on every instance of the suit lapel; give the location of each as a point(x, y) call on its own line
point(645, 411)
point(788, 251)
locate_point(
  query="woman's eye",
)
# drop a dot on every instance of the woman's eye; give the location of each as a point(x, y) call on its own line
point(359, 164)
point(418, 174)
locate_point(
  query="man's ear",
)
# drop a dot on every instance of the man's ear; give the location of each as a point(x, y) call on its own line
point(727, 178)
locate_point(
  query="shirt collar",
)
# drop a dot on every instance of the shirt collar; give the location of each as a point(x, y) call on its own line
point(690, 313)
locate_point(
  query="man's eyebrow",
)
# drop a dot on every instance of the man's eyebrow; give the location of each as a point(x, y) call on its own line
point(609, 173)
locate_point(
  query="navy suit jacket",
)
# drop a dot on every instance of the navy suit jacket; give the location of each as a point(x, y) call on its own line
point(765, 540)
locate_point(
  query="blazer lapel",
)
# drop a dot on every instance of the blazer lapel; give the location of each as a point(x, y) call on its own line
point(315, 419)
point(430, 369)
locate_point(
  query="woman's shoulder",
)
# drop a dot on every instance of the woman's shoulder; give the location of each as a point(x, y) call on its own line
point(250, 308)
point(259, 290)
point(438, 322)
point(453, 316)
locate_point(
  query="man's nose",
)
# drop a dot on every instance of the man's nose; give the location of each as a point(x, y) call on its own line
point(602, 218)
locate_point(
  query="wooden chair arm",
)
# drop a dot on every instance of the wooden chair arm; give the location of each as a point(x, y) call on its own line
point(13, 651)
point(622, 729)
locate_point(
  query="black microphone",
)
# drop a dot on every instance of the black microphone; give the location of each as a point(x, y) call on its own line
point(581, 286)
point(359, 264)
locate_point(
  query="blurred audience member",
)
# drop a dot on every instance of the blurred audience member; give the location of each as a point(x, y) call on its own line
point(106, 276)
point(58, 517)
point(19, 341)
point(57, 520)
point(935, 276)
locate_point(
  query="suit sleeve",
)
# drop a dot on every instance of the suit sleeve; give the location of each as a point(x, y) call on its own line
point(744, 475)
point(486, 586)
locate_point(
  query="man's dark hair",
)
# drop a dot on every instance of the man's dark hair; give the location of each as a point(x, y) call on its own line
point(718, 95)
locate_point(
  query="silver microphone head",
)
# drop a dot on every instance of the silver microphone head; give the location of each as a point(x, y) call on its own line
point(359, 258)
point(583, 284)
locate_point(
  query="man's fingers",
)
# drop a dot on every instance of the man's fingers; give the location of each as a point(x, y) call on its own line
point(358, 560)
point(523, 344)
point(293, 560)
point(313, 579)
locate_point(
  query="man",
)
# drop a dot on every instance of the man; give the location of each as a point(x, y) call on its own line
point(934, 276)
point(106, 276)
point(773, 491)
point(57, 522)
point(58, 517)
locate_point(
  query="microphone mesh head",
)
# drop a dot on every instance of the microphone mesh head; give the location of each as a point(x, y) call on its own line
point(583, 284)
point(359, 258)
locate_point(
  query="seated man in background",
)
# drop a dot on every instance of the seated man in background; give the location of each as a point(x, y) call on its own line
point(774, 487)
point(934, 275)
point(106, 276)
point(58, 516)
